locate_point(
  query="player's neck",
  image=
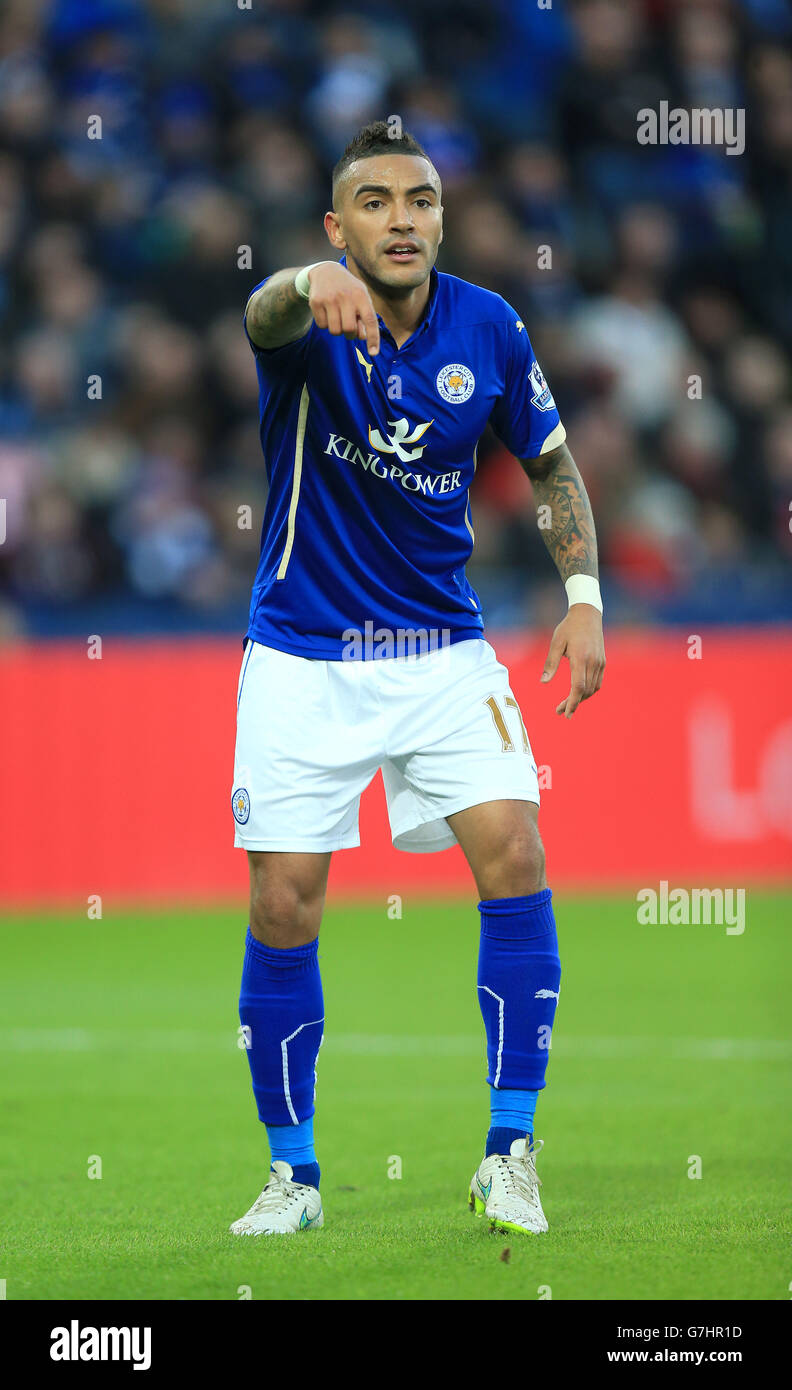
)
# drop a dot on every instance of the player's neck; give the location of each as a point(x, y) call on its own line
point(401, 313)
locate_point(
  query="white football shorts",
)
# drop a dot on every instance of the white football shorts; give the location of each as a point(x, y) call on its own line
point(443, 726)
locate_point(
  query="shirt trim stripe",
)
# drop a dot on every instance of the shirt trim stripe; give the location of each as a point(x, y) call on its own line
point(296, 480)
point(468, 518)
point(554, 439)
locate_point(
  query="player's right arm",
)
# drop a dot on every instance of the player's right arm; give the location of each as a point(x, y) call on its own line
point(276, 314)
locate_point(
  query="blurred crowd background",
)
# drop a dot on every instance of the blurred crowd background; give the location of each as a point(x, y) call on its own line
point(119, 259)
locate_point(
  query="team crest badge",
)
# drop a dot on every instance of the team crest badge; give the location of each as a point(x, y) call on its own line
point(455, 383)
point(542, 397)
point(240, 802)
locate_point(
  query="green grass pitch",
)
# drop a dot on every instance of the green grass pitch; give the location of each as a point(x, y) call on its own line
point(119, 1040)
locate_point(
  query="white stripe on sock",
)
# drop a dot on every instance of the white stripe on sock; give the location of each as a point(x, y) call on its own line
point(501, 1007)
point(285, 1057)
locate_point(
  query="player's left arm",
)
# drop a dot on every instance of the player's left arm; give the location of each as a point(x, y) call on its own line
point(572, 542)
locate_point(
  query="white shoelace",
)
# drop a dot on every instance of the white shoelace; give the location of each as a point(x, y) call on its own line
point(278, 1191)
point(520, 1177)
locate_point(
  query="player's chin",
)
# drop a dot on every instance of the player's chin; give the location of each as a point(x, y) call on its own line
point(400, 272)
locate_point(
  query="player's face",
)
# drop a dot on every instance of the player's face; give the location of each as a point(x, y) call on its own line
point(390, 219)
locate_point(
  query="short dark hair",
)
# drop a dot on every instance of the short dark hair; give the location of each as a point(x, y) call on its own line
point(375, 138)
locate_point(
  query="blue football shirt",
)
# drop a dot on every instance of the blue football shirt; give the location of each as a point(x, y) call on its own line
point(369, 463)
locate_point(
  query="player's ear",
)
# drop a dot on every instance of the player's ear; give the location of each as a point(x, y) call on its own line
point(333, 230)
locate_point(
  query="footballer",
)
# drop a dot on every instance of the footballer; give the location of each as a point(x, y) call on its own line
point(365, 649)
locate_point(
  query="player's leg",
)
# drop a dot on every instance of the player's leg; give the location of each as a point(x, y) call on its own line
point(281, 1006)
point(518, 957)
point(471, 779)
point(287, 897)
point(306, 747)
point(501, 842)
point(519, 974)
point(281, 1012)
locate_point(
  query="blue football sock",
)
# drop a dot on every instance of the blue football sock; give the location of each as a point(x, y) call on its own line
point(282, 1010)
point(519, 975)
point(295, 1144)
point(511, 1117)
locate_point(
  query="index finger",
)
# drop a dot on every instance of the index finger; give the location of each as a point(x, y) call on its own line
point(368, 318)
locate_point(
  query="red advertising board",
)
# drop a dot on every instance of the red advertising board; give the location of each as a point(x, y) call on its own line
point(117, 772)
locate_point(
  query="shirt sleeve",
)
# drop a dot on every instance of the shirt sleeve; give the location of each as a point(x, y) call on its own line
point(285, 357)
point(525, 417)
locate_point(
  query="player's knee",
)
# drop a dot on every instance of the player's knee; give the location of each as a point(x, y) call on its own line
point(281, 917)
point(518, 870)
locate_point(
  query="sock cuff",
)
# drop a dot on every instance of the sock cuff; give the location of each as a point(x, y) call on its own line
point(294, 959)
point(525, 917)
point(501, 906)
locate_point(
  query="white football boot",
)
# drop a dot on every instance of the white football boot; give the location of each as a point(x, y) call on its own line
point(283, 1207)
point(505, 1189)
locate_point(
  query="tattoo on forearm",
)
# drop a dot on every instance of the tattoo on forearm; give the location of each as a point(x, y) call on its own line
point(276, 313)
point(565, 519)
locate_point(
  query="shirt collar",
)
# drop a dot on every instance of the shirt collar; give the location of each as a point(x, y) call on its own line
point(431, 303)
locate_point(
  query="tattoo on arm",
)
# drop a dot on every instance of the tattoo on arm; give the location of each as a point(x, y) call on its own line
point(568, 531)
point(276, 313)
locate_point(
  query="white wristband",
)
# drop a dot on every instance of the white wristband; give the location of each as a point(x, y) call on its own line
point(583, 588)
point(301, 281)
